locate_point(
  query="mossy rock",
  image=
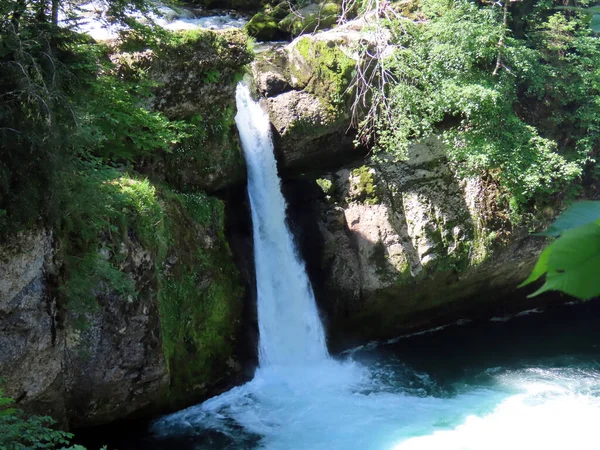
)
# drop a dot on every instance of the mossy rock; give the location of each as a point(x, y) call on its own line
point(311, 18)
point(322, 69)
point(196, 75)
point(363, 186)
point(200, 296)
point(263, 27)
point(279, 11)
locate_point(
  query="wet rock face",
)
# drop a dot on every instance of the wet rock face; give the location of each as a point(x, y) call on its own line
point(407, 245)
point(109, 369)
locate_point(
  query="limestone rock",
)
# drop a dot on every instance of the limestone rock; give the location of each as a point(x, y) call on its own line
point(416, 245)
point(31, 346)
point(109, 370)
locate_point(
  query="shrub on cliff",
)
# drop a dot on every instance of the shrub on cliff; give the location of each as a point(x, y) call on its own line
point(514, 90)
point(19, 431)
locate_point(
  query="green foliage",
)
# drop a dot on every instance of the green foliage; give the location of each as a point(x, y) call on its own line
point(70, 126)
point(592, 13)
point(198, 318)
point(571, 263)
point(119, 127)
point(523, 109)
point(19, 431)
point(105, 209)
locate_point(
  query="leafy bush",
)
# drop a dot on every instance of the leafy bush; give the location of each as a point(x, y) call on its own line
point(522, 108)
point(19, 431)
point(571, 263)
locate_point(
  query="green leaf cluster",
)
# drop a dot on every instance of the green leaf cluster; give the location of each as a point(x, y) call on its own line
point(19, 431)
point(518, 102)
point(71, 129)
point(571, 263)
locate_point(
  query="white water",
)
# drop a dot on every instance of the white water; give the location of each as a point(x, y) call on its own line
point(290, 331)
point(301, 399)
point(93, 20)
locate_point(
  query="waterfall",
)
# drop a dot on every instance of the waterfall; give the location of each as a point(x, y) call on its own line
point(290, 330)
point(301, 399)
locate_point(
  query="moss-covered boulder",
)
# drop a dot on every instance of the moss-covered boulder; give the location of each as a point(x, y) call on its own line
point(263, 27)
point(195, 74)
point(143, 321)
point(311, 18)
point(306, 85)
point(200, 297)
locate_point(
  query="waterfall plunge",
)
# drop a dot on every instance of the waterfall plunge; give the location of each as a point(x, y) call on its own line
point(290, 330)
point(301, 399)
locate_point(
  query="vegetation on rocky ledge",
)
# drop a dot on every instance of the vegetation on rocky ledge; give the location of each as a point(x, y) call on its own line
point(513, 88)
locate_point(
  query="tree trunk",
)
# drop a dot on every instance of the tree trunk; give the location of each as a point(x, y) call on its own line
point(55, 8)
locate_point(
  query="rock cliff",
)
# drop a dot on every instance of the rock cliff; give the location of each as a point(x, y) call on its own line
point(163, 345)
point(403, 244)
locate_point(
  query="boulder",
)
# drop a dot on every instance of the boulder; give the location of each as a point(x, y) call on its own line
point(306, 84)
point(311, 18)
point(408, 245)
point(263, 27)
point(164, 345)
point(195, 78)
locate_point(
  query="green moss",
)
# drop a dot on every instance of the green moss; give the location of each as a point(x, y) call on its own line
point(199, 295)
point(328, 70)
point(279, 11)
point(262, 26)
point(199, 292)
point(311, 19)
point(364, 186)
point(325, 185)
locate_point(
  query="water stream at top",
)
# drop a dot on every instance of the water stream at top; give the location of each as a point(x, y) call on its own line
point(302, 399)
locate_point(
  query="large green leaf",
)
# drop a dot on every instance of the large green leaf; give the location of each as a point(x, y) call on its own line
point(573, 263)
point(541, 267)
point(578, 214)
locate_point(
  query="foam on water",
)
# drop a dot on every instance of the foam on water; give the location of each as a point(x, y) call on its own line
point(93, 20)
